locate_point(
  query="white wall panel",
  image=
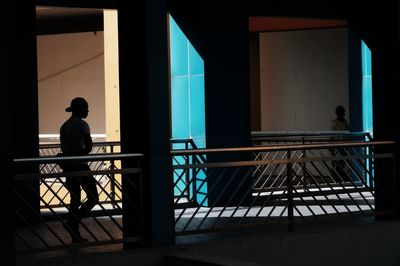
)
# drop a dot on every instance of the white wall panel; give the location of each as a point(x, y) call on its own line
point(303, 78)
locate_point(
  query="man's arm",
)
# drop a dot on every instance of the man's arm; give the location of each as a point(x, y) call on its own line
point(88, 143)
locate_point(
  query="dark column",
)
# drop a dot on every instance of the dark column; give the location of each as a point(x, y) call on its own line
point(227, 82)
point(144, 103)
point(19, 115)
point(6, 223)
point(227, 92)
point(24, 105)
point(385, 72)
point(255, 85)
point(355, 80)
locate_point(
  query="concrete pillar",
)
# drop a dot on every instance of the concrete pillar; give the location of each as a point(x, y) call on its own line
point(227, 92)
point(355, 80)
point(385, 82)
point(19, 115)
point(144, 107)
point(7, 240)
point(227, 82)
point(255, 81)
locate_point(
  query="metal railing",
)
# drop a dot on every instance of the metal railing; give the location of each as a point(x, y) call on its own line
point(293, 138)
point(281, 183)
point(53, 149)
point(274, 138)
point(40, 224)
point(185, 191)
point(106, 181)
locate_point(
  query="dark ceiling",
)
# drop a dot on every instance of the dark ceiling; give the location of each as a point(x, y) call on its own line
point(45, 12)
point(267, 24)
point(58, 20)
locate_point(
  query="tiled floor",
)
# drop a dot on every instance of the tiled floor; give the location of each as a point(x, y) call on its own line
point(105, 230)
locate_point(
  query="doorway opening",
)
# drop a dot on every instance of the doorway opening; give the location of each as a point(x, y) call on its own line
point(77, 56)
point(299, 73)
point(77, 53)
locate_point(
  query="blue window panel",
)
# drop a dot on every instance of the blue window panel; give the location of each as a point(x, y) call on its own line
point(367, 106)
point(196, 63)
point(180, 107)
point(367, 88)
point(366, 59)
point(197, 114)
point(366, 62)
point(179, 50)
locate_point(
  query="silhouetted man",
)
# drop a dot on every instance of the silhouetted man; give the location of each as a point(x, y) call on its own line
point(340, 124)
point(76, 140)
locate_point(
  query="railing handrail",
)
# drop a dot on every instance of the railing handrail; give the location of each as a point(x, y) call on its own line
point(82, 158)
point(180, 140)
point(95, 144)
point(306, 134)
point(282, 147)
point(192, 143)
point(309, 136)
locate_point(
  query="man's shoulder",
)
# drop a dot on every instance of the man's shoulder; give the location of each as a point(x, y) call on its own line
point(75, 122)
point(84, 125)
point(81, 121)
point(66, 123)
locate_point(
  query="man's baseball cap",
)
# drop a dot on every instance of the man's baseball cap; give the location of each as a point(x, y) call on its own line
point(76, 103)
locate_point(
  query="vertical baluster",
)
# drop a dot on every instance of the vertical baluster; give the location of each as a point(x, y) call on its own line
point(112, 179)
point(303, 165)
point(290, 192)
point(195, 170)
point(187, 175)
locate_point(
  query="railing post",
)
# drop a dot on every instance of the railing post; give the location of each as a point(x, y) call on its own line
point(369, 162)
point(395, 196)
point(187, 175)
point(195, 160)
point(112, 178)
point(371, 166)
point(290, 192)
point(133, 216)
point(194, 180)
point(303, 165)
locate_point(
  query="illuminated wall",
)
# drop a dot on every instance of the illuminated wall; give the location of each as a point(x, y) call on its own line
point(187, 101)
point(70, 65)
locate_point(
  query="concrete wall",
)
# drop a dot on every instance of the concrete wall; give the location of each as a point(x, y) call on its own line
point(70, 65)
point(304, 76)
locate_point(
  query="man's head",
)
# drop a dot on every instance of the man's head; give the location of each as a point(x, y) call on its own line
point(340, 111)
point(79, 107)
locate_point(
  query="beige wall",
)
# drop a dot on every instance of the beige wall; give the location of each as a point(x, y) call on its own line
point(304, 75)
point(70, 65)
